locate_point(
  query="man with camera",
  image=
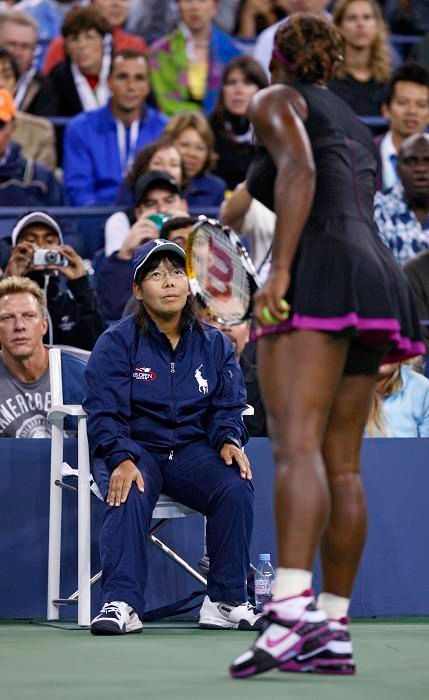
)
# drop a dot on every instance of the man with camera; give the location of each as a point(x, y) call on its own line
point(38, 252)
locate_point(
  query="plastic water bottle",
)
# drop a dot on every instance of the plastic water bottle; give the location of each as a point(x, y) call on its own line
point(264, 579)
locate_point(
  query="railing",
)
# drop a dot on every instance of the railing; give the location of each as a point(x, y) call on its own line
point(82, 227)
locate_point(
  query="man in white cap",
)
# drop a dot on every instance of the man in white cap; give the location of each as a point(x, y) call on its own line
point(39, 252)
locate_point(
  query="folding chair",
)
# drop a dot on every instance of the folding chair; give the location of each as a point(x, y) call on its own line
point(165, 509)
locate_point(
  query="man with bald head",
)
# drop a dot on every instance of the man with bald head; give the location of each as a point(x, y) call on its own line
point(265, 42)
point(402, 213)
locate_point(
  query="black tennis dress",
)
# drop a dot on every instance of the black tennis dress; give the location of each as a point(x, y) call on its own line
point(343, 278)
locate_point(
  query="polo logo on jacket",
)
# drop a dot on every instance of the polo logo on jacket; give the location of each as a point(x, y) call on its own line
point(203, 385)
point(145, 373)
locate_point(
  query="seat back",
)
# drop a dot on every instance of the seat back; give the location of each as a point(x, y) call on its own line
point(55, 376)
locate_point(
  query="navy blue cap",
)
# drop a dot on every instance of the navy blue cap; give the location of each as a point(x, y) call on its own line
point(153, 179)
point(158, 245)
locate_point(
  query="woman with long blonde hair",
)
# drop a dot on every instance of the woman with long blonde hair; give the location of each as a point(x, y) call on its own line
point(400, 407)
point(361, 77)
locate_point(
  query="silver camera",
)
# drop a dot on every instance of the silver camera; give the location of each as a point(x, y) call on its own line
point(49, 256)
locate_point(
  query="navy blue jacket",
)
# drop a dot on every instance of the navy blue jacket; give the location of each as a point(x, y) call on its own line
point(205, 190)
point(141, 391)
point(114, 283)
point(25, 183)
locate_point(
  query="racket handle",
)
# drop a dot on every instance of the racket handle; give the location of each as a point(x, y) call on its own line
point(269, 318)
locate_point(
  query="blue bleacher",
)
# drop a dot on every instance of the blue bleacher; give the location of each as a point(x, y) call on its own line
point(82, 227)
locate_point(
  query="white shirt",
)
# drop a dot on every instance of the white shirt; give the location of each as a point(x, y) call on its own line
point(116, 229)
point(388, 149)
point(258, 226)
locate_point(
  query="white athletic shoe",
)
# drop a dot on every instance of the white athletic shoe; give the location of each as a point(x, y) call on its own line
point(220, 616)
point(116, 618)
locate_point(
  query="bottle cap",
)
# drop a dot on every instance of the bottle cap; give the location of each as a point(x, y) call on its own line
point(264, 557)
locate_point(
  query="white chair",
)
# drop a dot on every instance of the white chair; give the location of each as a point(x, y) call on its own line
point(165, 509)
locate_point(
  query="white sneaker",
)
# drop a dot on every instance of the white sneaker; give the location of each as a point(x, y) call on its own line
point(116, 618)
point(218, 616)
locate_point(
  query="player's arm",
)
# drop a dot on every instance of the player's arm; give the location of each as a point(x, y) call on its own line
point(277, 114)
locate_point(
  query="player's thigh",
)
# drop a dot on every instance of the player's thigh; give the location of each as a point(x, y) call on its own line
point(299, 373)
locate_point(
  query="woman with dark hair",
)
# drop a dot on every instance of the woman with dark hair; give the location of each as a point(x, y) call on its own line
point(233, 132)
point(161, 155)
point(164, 403)
point(81, 80)
point(362, 75)
point(158, 155)
point(194, 140)
point(349, 308)
point(115, 12)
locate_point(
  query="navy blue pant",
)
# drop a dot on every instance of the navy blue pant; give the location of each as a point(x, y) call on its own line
point(200, 479)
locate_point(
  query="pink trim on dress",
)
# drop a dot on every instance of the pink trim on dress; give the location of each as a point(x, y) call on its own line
point(375, 331)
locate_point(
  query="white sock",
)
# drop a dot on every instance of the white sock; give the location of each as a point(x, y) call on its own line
point(334, 606)
point(291, 582)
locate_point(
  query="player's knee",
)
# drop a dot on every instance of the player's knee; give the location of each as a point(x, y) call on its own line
point(292, 449)
point(346, 484)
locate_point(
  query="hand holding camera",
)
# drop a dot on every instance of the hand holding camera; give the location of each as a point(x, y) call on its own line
point(72, 266)
point(25, 256)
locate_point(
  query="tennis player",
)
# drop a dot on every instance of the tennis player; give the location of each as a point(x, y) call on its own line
point(350, 309)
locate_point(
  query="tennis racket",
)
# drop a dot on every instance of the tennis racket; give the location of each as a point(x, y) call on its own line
point(221, 274)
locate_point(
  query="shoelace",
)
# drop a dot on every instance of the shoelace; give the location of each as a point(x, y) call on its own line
point(251, 608)
point(111, 609)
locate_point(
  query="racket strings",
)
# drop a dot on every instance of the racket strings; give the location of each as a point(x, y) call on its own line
point(224, 283)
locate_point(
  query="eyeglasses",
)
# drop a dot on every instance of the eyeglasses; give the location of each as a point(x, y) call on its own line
point(161, 275)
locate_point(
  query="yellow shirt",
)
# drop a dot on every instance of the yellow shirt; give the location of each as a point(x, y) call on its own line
point(197, 80)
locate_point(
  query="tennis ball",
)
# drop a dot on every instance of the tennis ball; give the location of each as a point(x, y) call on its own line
point(269, 318)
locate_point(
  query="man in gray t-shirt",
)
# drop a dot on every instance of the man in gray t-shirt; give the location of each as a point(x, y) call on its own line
point(24, 405)
point(25, 395)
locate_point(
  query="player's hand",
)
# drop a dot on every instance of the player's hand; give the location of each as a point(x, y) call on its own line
point(231, 453)
point(121, 481)
point(271, 296)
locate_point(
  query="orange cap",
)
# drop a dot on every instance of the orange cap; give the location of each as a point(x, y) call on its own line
point(7, 107)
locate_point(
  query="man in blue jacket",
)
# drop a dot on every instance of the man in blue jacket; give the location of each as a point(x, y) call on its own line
point(99, 146)
point(165, 398)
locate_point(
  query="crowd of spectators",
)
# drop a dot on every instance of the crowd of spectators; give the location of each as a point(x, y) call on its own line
point(141, 106)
